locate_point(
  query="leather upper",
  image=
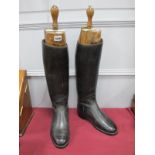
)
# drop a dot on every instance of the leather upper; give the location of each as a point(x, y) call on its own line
point(56, 66)
point(87, 65)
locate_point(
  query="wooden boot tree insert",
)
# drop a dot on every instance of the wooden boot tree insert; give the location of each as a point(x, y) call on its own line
point(88, 34)
point(54, 36)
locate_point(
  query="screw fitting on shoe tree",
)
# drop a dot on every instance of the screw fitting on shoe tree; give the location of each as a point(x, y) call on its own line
point(88, 34)
point(54, 36)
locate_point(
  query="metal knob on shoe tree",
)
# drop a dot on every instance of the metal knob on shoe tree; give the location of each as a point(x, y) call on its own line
point(55, 37)
point(88, 34)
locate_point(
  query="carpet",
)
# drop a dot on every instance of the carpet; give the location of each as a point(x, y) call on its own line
point(84, 138)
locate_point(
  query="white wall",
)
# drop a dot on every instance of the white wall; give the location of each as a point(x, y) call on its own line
point(116, 20)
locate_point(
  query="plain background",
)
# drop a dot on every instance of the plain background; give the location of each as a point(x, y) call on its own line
point(145, 77)
point(115, 18)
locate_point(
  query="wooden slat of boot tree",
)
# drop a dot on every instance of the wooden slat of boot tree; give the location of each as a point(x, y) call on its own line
point(54, 36)
point(89, 35)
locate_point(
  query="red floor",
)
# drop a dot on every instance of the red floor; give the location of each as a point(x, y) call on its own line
point(84, 139)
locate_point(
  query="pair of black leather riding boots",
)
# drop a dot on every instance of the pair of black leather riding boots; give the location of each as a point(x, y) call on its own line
point(56, 65)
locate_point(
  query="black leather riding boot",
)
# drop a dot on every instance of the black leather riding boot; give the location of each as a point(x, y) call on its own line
point(87, 64)
point(56, 70)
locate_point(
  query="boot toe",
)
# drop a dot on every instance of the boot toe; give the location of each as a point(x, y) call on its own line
point(109, 130)
point(108, 127)
point(113, 130)
point(60, 140)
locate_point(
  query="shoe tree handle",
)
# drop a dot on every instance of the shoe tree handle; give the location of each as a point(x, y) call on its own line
point(55, 13)
point(90, 13)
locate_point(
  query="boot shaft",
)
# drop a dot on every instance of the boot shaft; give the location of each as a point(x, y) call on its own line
point(87, 65)
point(55, 61)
